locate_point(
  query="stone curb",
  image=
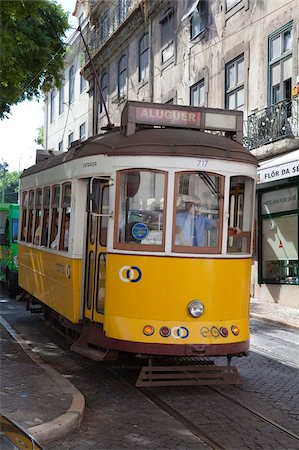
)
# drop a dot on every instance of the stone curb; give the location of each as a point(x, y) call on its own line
point(62, 425)
point(272, 320)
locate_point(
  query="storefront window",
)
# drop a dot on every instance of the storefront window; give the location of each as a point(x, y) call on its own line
point(198, 212)
point(140, 210)
point(280, 236)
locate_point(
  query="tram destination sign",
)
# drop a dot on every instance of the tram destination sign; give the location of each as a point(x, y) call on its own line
point(159, 116)
point(181, 116)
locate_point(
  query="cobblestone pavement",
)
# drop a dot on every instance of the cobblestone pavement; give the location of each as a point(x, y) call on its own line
point(24, 402)
point(118, 416)
point(275, 312)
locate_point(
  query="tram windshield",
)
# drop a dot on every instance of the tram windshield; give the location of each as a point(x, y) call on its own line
point(140, 209)
point(199, 204)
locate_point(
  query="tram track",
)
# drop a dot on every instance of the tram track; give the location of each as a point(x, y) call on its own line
point(257, 414)
point(261, 423)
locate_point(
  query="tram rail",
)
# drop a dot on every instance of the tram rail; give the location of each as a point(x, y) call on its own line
point(281, 433)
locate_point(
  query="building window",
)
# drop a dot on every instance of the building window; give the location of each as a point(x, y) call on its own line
point(81, 19)
point(104, 89)
point(71, 84)
point(122, 76)
point(234, 80)
point(70, 139)
point(82, 84)
point(104, 27)
point(231, 3)
point(60, 146)
point(280, 64)
point(82, 132)
point(167, 35)
point(122, 10)
point(143, 57)
point(198, 19)
point(279, 237)
point(52, 106)
point(61, 100)
point(197, 94)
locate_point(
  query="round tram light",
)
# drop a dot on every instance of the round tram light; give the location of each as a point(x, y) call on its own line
point(148, 330)
point(223, 331)
point(164, 331)
point(235, 330)
point(214, 332)
point(196, 308)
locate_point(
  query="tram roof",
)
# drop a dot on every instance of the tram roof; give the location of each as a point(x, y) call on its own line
point(176, 142)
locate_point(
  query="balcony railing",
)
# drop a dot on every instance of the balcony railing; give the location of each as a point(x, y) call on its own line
point(274, 123)
point(109, 22)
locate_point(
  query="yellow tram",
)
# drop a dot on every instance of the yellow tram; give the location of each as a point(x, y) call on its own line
point(140, 238)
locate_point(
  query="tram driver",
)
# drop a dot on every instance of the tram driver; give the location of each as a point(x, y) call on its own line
point(191, 226)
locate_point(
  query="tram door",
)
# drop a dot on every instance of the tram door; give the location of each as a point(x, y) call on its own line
point(96, 242)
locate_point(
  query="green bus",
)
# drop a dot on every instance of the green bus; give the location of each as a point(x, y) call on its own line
point(9, 225)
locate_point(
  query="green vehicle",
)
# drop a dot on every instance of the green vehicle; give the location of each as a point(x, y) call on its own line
point(9, 225)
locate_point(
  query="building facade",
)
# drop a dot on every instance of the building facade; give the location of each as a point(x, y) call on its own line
point(235, 54)
point(66, 109)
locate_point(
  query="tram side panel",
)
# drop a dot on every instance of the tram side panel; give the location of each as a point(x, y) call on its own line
point(53, 279)
point(156, 291)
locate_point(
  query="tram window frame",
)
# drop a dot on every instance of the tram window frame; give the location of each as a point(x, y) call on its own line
point(65, 216)
point(100, 283)
point(237, 235)
point(46, 216)
point(178, 248)
point(105, 217)
point(31, 205)
point(37, 217)
point(24, 203)
point(55, 211)
point(139, 246)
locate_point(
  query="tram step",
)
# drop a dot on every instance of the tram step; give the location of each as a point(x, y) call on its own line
point(187, 375)
point(95, 354)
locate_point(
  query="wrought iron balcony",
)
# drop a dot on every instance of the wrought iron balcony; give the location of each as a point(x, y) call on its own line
point(278, 121)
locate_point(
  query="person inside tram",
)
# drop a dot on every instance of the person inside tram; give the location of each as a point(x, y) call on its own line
point(55, 243)
point(191, 226)
point(37, 232)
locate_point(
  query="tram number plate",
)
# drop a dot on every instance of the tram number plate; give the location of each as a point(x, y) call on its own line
point(202, 162)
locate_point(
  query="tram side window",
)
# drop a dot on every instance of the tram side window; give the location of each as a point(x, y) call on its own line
point(45, 217)
point(30, 236)
point(37, 217)
point(198, 212)
point(141, 200)
point(55, 206)
point(240, 214)
point(66, 213)
point(24, 204)
point(104, 217)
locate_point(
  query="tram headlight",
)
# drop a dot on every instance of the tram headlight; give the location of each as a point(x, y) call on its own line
point(196, 308)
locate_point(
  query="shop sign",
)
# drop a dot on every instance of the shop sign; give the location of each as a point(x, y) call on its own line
point(287, 170)
point(280, 200)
